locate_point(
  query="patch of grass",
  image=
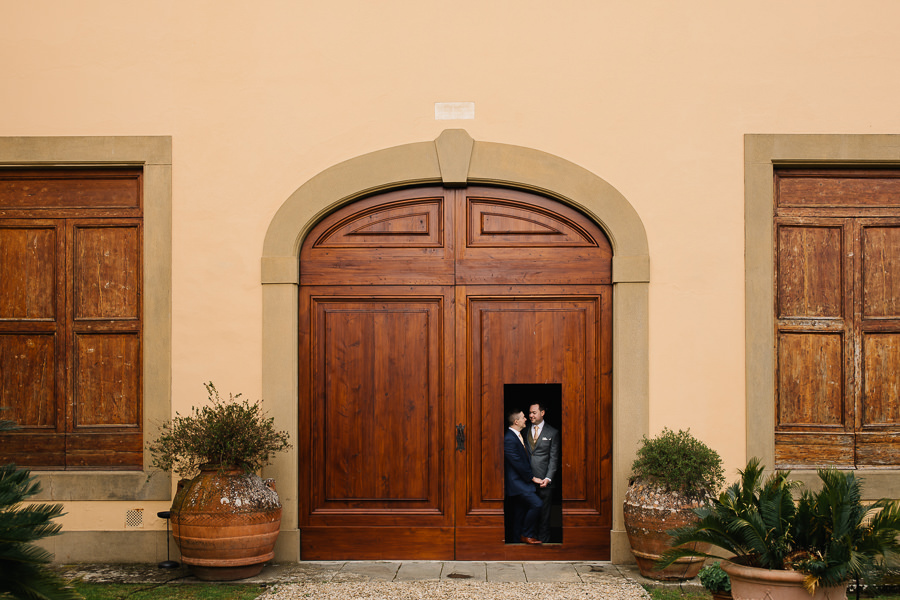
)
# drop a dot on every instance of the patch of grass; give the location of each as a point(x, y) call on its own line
point(168, 591)
point(659, 593)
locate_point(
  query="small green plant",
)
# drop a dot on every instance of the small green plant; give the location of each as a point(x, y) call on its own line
point(226, 433)
point(23, 565)
point(714, 578)
point(679, 462)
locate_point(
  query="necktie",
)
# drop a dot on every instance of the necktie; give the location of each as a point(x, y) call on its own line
point(534, 435)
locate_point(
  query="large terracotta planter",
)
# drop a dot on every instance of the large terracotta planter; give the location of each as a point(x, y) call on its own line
point(650, 512)
point(751, 583)
point(225, 523)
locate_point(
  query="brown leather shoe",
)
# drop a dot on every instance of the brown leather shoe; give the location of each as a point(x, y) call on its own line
point(529, 540)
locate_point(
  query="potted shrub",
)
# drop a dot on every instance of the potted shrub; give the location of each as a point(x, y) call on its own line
point(225, 519)
point(673, 474)
point(714, 578)
point(785, 548)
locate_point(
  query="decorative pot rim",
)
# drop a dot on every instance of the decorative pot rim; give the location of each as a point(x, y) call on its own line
point(739, 570)
point(774, 575)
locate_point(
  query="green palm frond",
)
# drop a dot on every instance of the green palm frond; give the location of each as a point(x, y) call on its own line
point(30, 582)
point(23, 572)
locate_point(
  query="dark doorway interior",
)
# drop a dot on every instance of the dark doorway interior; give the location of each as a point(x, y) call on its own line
point(520, 396)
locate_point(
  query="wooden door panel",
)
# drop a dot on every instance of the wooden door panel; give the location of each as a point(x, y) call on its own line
point(384, 542)
point(380, 410)
point(511, 237)
point(881, 380)
point(92, 450)
point(553, 344)
point(28, 272)
point(106, 416)
point(32, 328)
point(534, 335)
point(36, 450)
point(810, 405)
point(810, 270)
point(810, 379)
point(107, 381)
point(485, 542)
point(61, 190)
point(838, 188)
point(881, 272)
point(404, 223)
point(398, 238)
point(107, 272)
point(493, 222)
point(28, 379)
point(878, 448)
point(376, 401)
point(814, 449)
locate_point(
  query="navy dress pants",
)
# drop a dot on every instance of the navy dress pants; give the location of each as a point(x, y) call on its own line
point(526, 510)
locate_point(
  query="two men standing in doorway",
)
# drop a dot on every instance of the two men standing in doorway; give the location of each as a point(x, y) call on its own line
point(532, 462)
point(543, 445)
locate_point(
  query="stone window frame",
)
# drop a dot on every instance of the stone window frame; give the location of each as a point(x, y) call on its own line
point(762, 154)
point(154, 155)
point(454, 159)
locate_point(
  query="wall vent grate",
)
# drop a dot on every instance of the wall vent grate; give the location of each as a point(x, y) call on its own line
point(134, 518)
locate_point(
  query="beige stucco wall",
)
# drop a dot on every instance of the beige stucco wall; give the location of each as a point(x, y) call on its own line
point(654, 97)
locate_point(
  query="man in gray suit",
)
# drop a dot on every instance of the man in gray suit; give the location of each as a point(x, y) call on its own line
point(543, 442)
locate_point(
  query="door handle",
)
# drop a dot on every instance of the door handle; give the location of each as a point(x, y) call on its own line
point(460, 438)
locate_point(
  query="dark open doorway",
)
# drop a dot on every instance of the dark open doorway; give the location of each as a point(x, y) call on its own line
point(521, 396)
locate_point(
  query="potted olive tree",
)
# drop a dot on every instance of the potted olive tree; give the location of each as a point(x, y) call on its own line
point(225, 518)
point(673, 474)
point(785, 548)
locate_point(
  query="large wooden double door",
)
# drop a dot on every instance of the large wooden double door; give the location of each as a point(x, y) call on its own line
point(420, 310)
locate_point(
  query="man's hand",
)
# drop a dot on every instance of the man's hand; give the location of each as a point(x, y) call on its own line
point(544, 482)
point(537, 481)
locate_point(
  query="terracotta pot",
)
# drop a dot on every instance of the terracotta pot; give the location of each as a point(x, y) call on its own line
point(751, 583)
point(650, 512)
point(225, 523)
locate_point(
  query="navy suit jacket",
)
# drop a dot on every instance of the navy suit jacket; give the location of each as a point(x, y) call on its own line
point(517, 466)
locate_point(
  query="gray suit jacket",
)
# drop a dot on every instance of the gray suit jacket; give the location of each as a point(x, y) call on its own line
point(545, 456)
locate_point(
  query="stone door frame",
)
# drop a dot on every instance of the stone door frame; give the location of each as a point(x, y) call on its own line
point(454, 159)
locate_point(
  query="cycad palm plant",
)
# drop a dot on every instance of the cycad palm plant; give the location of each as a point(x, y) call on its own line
point(830, 535)
point(751, 519)
point(23, 572)
point(837, 536)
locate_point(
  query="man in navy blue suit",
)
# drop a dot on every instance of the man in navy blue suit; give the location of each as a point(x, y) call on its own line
point(524, 503)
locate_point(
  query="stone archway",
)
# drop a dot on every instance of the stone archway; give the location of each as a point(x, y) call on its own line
point(455, 159)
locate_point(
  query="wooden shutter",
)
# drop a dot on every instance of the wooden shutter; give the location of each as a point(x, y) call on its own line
point(813, 426)
point(878, 419)
point(837, 283)
point(70, 317)
point(32, 340)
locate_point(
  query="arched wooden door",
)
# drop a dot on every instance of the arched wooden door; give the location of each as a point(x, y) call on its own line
point(419, 310)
